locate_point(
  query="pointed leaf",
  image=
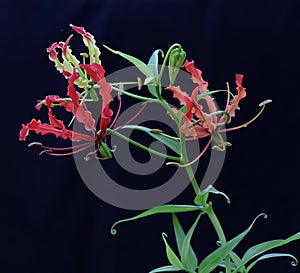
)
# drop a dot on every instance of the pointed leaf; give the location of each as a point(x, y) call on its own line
point(265, 246)
point(234, 264)
point(210, 262)
point(153, 63)
point(172, 257)
point(158, 209)
point(167, 268)
point(179, 232)
point(136, 62)
point(189, 258)
point(272, 255)
point(173, 144)
point(203, 196)
point(236, 261)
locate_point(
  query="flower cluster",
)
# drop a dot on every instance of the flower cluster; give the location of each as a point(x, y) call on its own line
point(197, 117)
point(91, 78)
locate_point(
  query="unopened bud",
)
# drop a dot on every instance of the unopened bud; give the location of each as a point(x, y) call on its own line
point(176, 59)
point(105, 151)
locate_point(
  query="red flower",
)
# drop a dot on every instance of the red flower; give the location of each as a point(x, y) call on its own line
point(79, 110)
point(199, 123)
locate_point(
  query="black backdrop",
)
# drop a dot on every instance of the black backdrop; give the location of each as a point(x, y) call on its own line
point(51, 222)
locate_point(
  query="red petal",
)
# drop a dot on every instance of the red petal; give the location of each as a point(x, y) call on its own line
point(23, 132)
point(178, 94)
point(52, 52)
point(197, 78)
point(79, 111)
point(95, 71)
point(183, 98)
point(44, 128)
point(196, 75)
point(196, 131)
point(82, 31)
point(241, 94)
point(84, 116)
point(72, 93)
point(65, 46)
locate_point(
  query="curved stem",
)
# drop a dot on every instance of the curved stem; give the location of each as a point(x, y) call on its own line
point(219, 230)
point(144, 147)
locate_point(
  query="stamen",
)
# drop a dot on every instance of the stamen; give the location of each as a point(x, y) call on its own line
point(118, 112)
point(50, 152)
point(218, 148)
point(35, 144)
point(140, 83)
point(262, 105)
point(57, 148)
point(84, 54)
point(45, 152)
point(192, 162)
point(265, 102)
point(156, 131)
point(133, 118)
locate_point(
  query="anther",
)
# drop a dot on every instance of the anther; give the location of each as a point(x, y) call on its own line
point(156, 131)
point(140, 83)
point(84, 54)
point(35, 144)
point(45, 152)
point(265, 102)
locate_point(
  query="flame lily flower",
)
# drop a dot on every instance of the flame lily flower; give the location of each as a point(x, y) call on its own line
point(199, 123)
point(67, 62)
point(78, 108)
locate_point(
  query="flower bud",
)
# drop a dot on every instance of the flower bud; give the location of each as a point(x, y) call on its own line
point(176, 59)
point(105, 151)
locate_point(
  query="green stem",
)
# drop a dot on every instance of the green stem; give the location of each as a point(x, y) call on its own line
point(219, 230)
point(169, 110)
point(184, 160)
point(133, 95)
point(119, 83)
point(144, 147)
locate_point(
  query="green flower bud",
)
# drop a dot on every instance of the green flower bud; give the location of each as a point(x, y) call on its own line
point(176, 59)
point(105, 151)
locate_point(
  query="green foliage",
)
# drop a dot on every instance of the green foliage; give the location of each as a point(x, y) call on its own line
point(158, 209)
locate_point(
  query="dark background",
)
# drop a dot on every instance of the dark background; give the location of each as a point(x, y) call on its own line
point(51, 222)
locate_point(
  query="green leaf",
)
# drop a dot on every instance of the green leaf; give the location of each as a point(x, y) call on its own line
point(180, 238)
point(153, 62)
point(136, 62)
point(155, 210)
point(210, 262)
point(203, 196)
point(153, 85)
point(272, 255)
point(265, 246)
point(179, 232)
point(188, 256)
point(173, 144)
point(167, 268)
point(172, 257)
point(235, 262)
